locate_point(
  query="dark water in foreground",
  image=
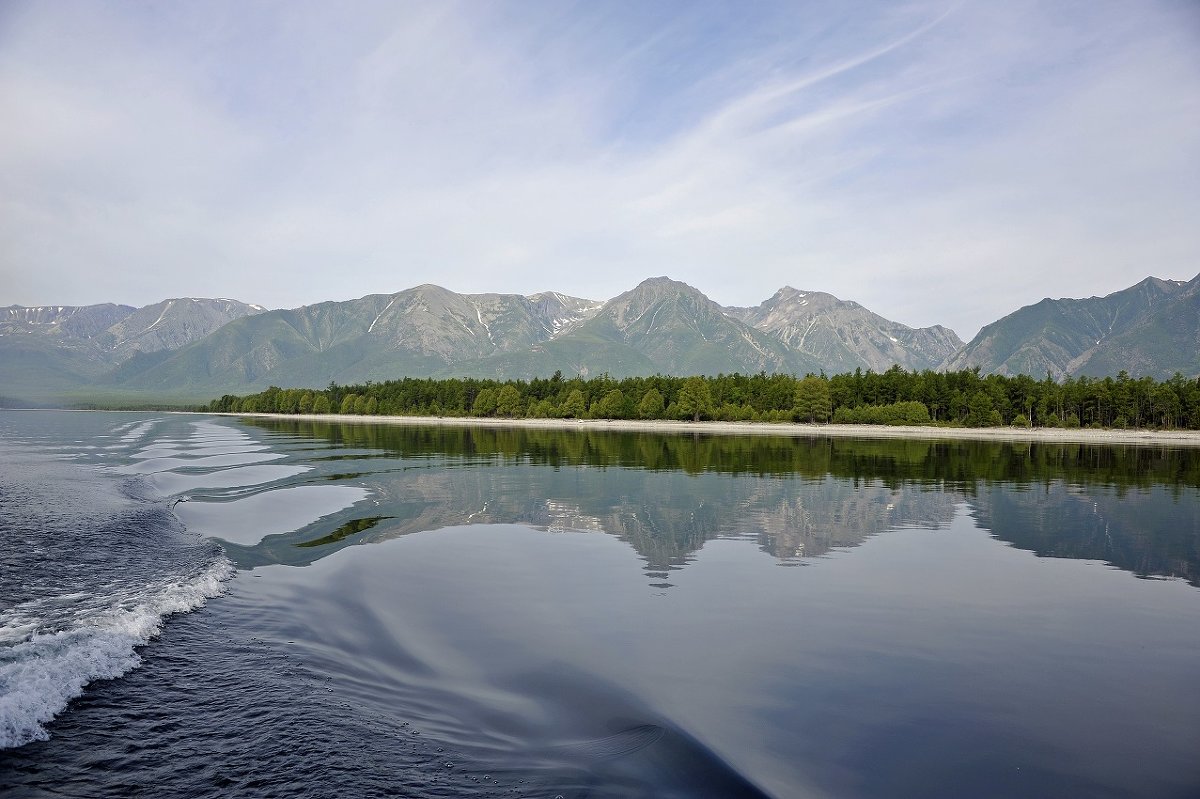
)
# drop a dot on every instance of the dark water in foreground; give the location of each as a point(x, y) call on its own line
point(452, 612)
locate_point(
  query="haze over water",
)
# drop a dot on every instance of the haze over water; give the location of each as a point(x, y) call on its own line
point(472, 612)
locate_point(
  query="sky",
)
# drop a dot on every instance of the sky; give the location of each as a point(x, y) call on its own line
point(937, 162)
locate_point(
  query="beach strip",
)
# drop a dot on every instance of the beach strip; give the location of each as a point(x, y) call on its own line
point(1173, 438)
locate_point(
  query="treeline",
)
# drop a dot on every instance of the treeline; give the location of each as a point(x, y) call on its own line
point(897, 396)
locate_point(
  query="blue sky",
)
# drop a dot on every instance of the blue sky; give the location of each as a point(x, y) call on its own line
point(940, 163)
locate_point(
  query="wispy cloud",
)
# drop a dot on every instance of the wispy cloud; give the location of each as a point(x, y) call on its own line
point(937, 163)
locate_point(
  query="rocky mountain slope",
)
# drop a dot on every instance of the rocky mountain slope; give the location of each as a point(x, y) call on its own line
point(1151, 328)
point(662, 326)
point(843, 336)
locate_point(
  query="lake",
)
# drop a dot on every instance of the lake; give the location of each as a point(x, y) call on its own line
point(202, 606)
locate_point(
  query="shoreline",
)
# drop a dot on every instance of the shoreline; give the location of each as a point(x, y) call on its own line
point(1055, 435)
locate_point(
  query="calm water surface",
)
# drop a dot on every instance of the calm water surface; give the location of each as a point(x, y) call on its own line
point(397, 611)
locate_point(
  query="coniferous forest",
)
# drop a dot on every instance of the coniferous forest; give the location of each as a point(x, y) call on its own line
point(963, 398)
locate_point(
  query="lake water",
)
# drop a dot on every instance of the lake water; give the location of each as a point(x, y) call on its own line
point(370, 610)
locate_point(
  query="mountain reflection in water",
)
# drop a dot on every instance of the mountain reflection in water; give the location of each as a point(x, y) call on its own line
point(1133, 507)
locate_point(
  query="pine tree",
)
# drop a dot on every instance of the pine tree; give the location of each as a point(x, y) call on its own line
point(813, 400)
point(695, 399)
point(651, 406)
point(508, 403)
point(574, 407)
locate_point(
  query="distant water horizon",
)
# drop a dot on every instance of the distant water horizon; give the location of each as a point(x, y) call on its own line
point(206, 606)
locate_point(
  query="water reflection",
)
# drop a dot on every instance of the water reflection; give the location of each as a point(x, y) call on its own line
point(666, 495)
point(1152, 532)
point(345, 531)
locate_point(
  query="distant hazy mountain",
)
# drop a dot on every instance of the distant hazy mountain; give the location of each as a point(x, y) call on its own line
point(64, 323)
point(842, 336)
point(49, 350)
point(1152, 328)
point(423, 331)
point(171, 324)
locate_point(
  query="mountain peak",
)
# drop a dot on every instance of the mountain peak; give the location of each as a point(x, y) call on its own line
point(662, 287)
point(427, 289)
point(677, 329)
point(652, 292)
point(843, 335)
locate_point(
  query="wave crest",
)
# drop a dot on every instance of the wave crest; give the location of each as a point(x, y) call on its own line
point(41, 675)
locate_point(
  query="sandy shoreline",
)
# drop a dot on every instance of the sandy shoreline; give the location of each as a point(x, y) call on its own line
point(1177, 438)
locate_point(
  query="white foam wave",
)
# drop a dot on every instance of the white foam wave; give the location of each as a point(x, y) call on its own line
point(40, 675)
point(137, 430)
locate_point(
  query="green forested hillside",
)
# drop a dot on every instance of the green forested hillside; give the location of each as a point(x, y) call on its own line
point(1151, 328)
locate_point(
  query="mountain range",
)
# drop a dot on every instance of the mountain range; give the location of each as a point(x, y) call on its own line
point(191, 349)
point(50, 352)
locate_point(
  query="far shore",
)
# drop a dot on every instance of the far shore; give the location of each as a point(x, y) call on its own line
point(1176, 438)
